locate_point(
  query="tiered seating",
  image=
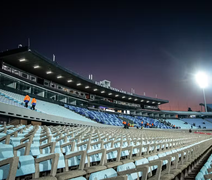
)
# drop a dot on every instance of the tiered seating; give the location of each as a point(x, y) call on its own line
point(198, 122)
point(100, 117)
point(137, 120)
point(205, 171)
point(59, 152)
point(43, 106)
point(179, 123)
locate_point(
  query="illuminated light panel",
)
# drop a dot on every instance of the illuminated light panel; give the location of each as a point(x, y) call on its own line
point(78, 84)
point(116, 95)
point(129, 98)
point(153, 102)
point(136, 99)
point(110, 94)
point(35, 67)
point(102, 91)
point(202, 79)
point(58, 77)
point(95, 90)
point(48, 72)
point(123, 97)
point(147, 101)
point(69, 81)
point(86, 87)
point(22, 60)
point(158, 103)
point(142, 100)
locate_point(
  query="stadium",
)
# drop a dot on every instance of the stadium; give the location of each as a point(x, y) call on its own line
point(76, 130)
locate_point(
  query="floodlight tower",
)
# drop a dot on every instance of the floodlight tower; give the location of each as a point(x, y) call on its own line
point(202, 80)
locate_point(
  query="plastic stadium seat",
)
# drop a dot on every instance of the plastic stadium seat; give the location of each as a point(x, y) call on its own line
point(108, 173)
point(128, 166)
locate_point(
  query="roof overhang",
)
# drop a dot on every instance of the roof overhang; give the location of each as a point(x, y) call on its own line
point(33, 58)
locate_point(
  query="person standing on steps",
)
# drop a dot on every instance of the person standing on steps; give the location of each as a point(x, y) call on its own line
point(26, 100)
point(33, 103)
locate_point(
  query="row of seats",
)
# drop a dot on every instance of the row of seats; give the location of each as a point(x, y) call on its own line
point(41, 106)
point(138, 119)
point(205, 171)
point(113, 119)
point(198, 122)
point(96, 153)
point(100, 117)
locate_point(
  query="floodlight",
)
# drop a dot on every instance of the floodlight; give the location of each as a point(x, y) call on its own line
point(48, 72)
point(35, 67)
point(202, 79)
point(22, 60)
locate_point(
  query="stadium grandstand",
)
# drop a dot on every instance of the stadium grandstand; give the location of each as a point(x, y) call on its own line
point(76, 130)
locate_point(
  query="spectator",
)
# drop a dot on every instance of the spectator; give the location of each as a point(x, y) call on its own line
point(33, 103)
point(26, 100)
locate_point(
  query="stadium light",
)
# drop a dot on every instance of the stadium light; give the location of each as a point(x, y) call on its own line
point(35, 67)
point(153, 102)
point(136, 99)
point(86, 87)
point(58, 77)
point(78, 84)
point(147, 101)
point(102, 91)
point(202, 80)
point(129, 98)
point(158, 103)
point(69, 81)
point(142, 100)
point(116, 95)
point(95, 90)
point(123, 97)
point(48, 72)
point(22, 60)
point(110, 94)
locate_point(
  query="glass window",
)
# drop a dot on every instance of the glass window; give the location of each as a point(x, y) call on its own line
point(6, 68)
point(24, 75)
point(33, 78)
point(16, 72)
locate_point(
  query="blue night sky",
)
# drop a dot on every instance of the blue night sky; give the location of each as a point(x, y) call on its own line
point(154, 47)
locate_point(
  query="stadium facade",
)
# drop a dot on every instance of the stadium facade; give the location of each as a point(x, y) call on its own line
point(25, 71)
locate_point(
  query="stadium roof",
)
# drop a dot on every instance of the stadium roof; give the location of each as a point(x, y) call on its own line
point(27, 59)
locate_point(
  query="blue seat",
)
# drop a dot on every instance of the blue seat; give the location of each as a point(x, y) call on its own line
point(199, 176)
point(108, 173)
point(127, 166)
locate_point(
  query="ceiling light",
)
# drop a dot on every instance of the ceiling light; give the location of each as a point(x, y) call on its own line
point(110, 94)
point(116, 95)
point(69, 81)
point(86, 87)
point(22, 60)
point(153, 102)
point(95, 90)
point(78, 84)
point(35, 67)
point(48, 72)
point(129, 98)
point(158, 103)
point(136, 99)
point(58, 77)
point(147, 101)
point(123, 97)
point(102, 91)
point(142, 100)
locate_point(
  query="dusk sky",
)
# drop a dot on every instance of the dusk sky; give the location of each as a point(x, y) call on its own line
point(154, 48)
